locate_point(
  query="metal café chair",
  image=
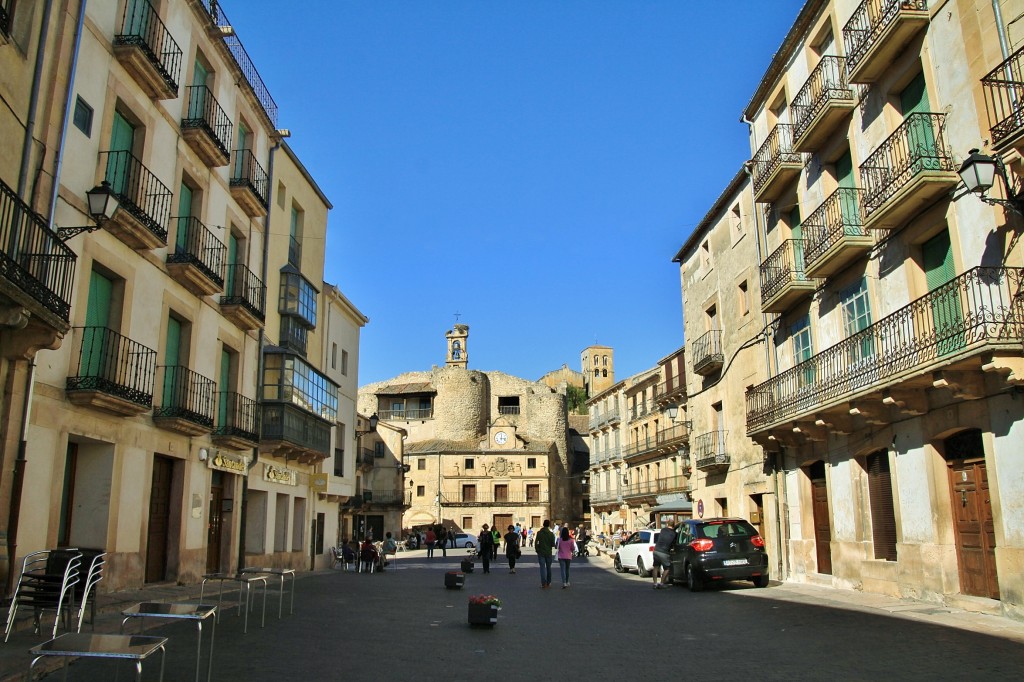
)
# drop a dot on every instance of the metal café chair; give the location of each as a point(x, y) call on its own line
point(85, 588)
point(46, 583)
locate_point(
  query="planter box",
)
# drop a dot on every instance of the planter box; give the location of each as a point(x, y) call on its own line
point(454, 581)
point(483, 614)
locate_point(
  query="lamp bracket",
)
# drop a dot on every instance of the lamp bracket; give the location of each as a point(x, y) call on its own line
point(66, 233)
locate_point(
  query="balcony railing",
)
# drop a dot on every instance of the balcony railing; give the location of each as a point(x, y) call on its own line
point(237, 417)
point(247, 173)
point(826, 90)
point(243, 288)
point(876, 29)
point(197, 246)
point(1004, 94)
point(113, 364)
point(140, 192)
point(709, 450)
point(783, 276)
point(405, 415)
point(666, 389)
point(834, 234)
point(186, 395)
point(205, 114)
point(383, 497)
point(508, 409)
point(707, 352)
point(656, 486)
point(916, 148)
point(32, 257)
point(772, 158)
point(971, 312)
point(294, 426)
point(243, 61)
point(142, 28)
point(455, 497)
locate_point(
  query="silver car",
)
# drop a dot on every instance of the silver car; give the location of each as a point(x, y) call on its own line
point(637, 553)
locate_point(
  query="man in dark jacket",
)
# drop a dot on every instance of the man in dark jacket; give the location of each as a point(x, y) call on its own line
point(662, 560)
point(485, 546)
point(544, 544)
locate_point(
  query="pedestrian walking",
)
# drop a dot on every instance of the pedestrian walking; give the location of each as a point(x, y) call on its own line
point(431, 540)
point(496, 536)
point(512, 550)
point(451, 537)
point(544, 543)
point(485, 542)
point(565, 545)
point(662, 561)
point(442, 540)
point(529, 537)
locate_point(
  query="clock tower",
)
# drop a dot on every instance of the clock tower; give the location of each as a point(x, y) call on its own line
point(457, 339)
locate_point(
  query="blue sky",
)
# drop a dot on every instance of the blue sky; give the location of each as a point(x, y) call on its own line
point(531, 164)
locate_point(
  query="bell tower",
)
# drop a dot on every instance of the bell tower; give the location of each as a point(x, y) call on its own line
point(457, 353)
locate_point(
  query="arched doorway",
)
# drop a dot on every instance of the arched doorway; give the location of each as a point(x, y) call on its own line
point(971, 504)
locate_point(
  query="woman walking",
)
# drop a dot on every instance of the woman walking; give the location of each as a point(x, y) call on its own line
point(564, 544)
point(512, 548)
point(486, 547)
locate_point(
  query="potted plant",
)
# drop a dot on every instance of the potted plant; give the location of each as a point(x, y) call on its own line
point(454, 580)
point(483, 609)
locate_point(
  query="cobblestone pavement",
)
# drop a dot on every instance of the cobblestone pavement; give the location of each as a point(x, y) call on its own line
point(403, 625)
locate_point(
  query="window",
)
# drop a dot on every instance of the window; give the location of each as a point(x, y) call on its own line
point(295, 237)
point(468, 493)
point(883, 517)
point(378, 449)
point(800, 332)
point(705, 255)
point(501, 492)
point(744, 298)
point(420, 491)
point(467, 522)
point(531, 462)
point(344, 363)
point(533, 492)
point(334, 356)
point(736, 220)
point(604, 372)
point(723, 505)
point(535, 521)
point(508, 404)
point(469, 463)
point(857, 317)
point(421, 463)
point(297, 297)
point(339, 461)
point(83, 117)
point(604, 360)
point(287, 378)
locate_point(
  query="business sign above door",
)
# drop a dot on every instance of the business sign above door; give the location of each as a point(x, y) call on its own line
point(232, 464)
point(275, 474)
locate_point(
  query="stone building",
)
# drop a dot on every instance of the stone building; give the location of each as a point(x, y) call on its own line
point(482, 447)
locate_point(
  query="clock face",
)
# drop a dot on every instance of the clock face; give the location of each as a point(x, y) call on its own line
point(500, 437)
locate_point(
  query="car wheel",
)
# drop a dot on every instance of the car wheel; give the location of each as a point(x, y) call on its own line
point(761, 580)
point(693, 581)
point(469, 545)
point(618, 565)
point(644, 573)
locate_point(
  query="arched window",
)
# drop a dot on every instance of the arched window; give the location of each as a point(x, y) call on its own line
point(597, 372)
point(456, 350)
point(604, 372)
point(604, 360)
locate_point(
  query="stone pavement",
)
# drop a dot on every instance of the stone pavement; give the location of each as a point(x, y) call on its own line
point(406, 610)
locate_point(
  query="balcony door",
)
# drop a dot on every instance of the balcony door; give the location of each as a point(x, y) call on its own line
point(971, 504)
point(172, 356)
point(243, 143)
point(947, 318)
point(97, 322)
point(229, 281)
point(184, 213)
point(122, 142)
point(137, 17)
point(797, 233)
point(223, 386)
point(848, 200)
point(197, 102)
point(923, 152)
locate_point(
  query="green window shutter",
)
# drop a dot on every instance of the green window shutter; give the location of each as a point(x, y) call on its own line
point(184, 213)
point(97, 321)
point(947, 316)
point(122, 140)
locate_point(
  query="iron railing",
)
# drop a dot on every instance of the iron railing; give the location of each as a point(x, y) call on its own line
point(247, 172)
point(776, 150)
point(237, 416)
point(205, 113)
point(709, 449)
point(707, 350)
point(196, 245)
point(656, 486)
point(403, 415)
point(454, 497)
point(140, 192)
point(783, 267)
point(294, 252)
point(916, 146)
point(662, 438)
point(141, 27)
point(826, 84)
point(186, 395)
point(602, 496)
point(837, 217)
point(113, 364)
point(386, 496)
point(244, 63)
point(244, 288)
point(667, 388)
point(867, 24)
point(32, 257)
point(606, 417)
point(508, 409)
point(982, 306)
point(286, 422)
point(1004, 94)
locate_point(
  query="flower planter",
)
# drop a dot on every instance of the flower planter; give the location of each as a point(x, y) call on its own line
point(454, 580)
point(483, 614)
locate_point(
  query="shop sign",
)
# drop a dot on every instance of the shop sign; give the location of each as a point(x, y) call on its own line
point(233, 464)
point(275, 474)
point(318, 483)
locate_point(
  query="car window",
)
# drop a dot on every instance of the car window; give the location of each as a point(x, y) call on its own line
point(654, 538)
point(684, 536)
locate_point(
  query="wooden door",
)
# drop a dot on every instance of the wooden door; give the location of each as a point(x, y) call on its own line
point(822, 526)
point(159, 519)
point(974, 528)
point(502, 522)
point(213, 533)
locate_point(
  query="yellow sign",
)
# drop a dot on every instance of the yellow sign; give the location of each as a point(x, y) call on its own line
point(230, 463)
point(276, 474)
point(318, 483)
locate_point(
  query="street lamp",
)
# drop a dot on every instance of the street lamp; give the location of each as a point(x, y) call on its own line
point(978, 173)
point(102, 205)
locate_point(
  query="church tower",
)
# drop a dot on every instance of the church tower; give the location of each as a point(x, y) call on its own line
point(457, 353)
point(598, 364)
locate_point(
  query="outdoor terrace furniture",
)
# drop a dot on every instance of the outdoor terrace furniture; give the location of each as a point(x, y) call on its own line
point(46, 583)
point(196, 613)
point(246, 580)
point(127, 647)
point(281, 574)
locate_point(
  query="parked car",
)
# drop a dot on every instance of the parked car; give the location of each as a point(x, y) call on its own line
point(708, 550)
point(464, 540)
point(637, 552)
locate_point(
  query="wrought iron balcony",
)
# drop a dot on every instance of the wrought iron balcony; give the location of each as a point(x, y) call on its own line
point(1004, 94)
point(249, 184)
point(293, 433)
point(365, 458)
point(147, 51)
point(658, 486)
point(877, 31)
point(834, 234)
point(388, 498)
point(823, 101)
point(197, 261)
point(207, 127)
point(242, 60)
point(912, 168)
point(406, 415)
point(238, 421)
point(111, 372)
point(666, 391)
point(602, 497)
point(508, 409)
point(707, 353)
point(458, 497)
point(783, 278)
point(709, 451)
point(186, 401)
point(974, 315)
point(40, 267)
point(145, 202)
point(775, 165)
point(245, 298)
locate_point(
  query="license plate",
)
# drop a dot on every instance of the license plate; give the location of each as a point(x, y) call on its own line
point(734, 562)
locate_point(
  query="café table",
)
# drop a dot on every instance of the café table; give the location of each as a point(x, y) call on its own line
point(126, 647)
point(180, 611)
point(281, 573)
point(247, 580)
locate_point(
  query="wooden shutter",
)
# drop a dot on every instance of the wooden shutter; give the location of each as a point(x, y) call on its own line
point(883, 518)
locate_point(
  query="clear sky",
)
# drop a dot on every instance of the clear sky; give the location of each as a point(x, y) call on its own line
point(531, 164)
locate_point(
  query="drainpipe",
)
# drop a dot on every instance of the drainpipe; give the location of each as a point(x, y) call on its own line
point(1004, 47)
point(242, 507)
